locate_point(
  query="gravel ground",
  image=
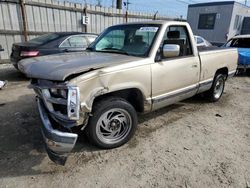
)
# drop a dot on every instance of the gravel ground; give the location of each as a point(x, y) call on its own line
point(190, 144)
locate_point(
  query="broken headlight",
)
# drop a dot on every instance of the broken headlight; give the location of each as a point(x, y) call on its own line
point(59, 92)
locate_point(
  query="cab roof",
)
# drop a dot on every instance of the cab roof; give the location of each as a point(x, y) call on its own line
point(161, 22)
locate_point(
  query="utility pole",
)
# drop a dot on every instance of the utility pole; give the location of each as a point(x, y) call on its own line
point(99, 3)
point(119, 4)
point(155, 15)
point(24, 18)
point(245, 2)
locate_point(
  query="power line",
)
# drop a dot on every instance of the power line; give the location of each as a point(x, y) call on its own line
point(181, 1)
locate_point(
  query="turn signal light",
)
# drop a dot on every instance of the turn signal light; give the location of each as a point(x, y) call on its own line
point(29, 53)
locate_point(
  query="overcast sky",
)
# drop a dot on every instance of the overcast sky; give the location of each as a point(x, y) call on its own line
point(172, 8)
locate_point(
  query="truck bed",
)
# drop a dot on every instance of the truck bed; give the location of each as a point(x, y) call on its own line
point(204, 48)
point(216, 58)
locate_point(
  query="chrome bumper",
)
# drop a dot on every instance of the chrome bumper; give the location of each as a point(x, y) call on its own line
point(231, 74)
point(58, 144)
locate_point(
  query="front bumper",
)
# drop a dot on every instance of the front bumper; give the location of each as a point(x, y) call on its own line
point(57, 143)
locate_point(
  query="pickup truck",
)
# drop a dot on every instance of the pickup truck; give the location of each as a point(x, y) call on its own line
point(130, 68)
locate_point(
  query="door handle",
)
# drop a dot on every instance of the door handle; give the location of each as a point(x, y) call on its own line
point(194, 65)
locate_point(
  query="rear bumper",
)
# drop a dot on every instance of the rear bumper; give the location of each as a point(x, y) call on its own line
point(57, 143)
point(231, 74)
point(14, 62)
point(245, 66)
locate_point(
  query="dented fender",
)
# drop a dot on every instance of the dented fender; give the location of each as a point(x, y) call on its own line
point(112, 79)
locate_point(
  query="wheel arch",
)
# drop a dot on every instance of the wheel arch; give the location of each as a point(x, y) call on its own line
point(133, 95)
point(223, 70)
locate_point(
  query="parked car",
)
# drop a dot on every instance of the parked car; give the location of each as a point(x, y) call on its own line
point(130, 68)
point(201, 42)
point(51, 43)
point(242, 43)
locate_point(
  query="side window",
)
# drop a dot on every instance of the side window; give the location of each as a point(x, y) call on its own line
point(75, 42)
point(178, 35)
point(199, 40)
point(207, 21)
point(91, 39)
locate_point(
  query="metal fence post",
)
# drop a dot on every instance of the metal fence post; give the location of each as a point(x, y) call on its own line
point(85, 14)
point(126, 16)
point(24, 18)
point(155, 15)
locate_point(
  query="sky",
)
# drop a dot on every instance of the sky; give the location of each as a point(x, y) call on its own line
point(170, 8)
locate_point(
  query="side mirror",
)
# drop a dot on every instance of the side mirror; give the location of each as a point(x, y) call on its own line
point(1, 49)
point(171, 50)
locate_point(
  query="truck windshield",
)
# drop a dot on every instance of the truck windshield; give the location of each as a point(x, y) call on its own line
point(132, 39)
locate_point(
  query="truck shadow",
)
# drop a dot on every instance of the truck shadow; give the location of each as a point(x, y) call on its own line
point(21, 146)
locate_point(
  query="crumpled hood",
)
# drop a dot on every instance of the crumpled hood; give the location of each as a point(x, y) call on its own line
point(244, 56)
point(59, 67)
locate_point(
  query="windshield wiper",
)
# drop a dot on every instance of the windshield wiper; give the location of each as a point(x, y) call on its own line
point(114, 50)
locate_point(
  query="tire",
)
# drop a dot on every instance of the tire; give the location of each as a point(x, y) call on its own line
point(248, 71)
point(216, 91)
point(15, 66)
point(113, 123)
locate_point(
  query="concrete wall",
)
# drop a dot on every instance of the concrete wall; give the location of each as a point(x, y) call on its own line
point(222, 22)
point(45, 16)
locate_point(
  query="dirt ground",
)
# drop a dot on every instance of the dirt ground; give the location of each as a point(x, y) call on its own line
point(190, 144)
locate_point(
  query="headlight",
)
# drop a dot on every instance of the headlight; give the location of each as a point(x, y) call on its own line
point(59, 92)
point(53, 91)
point(63, 93)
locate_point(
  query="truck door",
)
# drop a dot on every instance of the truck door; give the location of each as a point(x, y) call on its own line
point(174, 79)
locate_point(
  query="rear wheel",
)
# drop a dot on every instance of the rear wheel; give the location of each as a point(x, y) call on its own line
point(248, 71)
point(113, 123)
point(216, 91)
point(16, 66)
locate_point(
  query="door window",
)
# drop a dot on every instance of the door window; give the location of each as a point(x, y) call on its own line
point(75, 42)
point(178, 35)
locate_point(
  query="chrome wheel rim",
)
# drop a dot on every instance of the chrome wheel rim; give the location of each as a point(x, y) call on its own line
point(218, 89)
point(113, 126)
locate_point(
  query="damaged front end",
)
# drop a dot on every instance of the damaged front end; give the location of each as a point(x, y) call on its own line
point(59, 108)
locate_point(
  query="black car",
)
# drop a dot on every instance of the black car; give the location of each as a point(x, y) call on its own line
point(51, 43)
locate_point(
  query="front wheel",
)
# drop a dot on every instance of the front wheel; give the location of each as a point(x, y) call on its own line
point(216, 91)
point(113, 123)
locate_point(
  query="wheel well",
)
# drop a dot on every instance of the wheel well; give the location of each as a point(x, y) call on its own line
point(134, 96)
point(223, 70)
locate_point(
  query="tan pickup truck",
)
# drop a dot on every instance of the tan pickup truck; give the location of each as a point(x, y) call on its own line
point(130, 68)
